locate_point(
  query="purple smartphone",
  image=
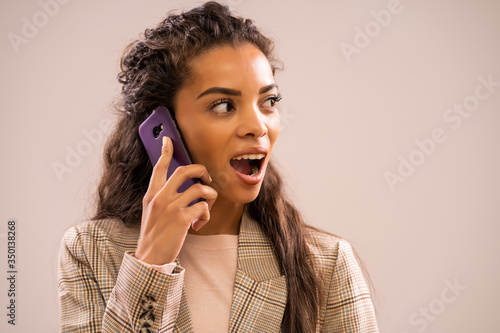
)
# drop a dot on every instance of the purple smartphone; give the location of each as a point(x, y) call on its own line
point(159, 124)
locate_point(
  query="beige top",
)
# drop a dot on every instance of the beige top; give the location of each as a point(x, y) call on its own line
point(210, 264)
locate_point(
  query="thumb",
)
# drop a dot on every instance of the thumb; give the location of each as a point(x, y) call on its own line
point(160, 169)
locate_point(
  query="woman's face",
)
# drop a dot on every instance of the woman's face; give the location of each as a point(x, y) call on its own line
point(229, 109)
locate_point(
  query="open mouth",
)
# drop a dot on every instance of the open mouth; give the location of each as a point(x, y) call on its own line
point(248, 164)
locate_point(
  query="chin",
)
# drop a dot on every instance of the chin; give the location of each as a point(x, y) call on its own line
point(239, 194)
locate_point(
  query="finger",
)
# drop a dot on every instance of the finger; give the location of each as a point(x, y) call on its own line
point(200, 210)
point(183, 173)
point(160, 170)
point(197, 191)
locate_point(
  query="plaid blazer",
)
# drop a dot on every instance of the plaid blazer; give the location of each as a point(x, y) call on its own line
point(103, 288)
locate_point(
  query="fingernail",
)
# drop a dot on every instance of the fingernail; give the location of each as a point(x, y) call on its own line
point(209, 177)
point(164, 142)
point(194, 226)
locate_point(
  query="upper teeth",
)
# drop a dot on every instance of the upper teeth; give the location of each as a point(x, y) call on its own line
point(250, 157)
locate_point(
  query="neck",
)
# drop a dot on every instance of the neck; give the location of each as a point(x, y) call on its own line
point(225, 219)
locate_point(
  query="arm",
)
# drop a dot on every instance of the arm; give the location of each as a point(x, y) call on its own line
point(349, 306)
point(92, 301)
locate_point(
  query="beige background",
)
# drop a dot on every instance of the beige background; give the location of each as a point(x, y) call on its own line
point(346, 122)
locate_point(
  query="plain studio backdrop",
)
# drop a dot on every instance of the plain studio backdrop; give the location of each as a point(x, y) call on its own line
point(390, 138)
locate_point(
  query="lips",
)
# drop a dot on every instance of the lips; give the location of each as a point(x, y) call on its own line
point(248, 164)
point(249, 161)
point(251, 179)
point(252, 150)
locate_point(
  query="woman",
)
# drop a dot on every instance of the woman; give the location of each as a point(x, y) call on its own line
point(243, 260)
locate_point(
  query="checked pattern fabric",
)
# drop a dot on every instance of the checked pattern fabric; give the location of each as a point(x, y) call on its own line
point(103, 288)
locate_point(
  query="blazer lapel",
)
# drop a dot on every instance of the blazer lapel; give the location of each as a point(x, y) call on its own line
point(260, 291)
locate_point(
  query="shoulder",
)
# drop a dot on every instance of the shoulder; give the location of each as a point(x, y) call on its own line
point(347, 301)
point(85, 237)
point(329, 250)
point(322, 243)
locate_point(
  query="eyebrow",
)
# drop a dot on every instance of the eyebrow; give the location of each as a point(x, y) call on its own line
point(232, 92)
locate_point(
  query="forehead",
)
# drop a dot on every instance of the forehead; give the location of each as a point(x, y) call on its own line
point(228, 66)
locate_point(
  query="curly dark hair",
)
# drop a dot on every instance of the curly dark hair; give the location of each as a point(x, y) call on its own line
point(153, 70)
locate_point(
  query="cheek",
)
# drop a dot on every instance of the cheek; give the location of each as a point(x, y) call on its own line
point(205, 144)
point(274, 128)
point(193, 137)
point(274, 120)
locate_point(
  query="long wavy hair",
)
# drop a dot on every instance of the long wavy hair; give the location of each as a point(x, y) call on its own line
point(153, 69)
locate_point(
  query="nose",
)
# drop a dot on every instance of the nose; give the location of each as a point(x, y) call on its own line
point(252, 122)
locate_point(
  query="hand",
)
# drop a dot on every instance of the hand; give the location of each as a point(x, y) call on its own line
point(166, 217)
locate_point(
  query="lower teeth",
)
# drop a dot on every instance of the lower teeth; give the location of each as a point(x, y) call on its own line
point(255, 170)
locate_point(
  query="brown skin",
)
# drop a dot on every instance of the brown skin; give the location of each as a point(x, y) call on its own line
point(213, 135)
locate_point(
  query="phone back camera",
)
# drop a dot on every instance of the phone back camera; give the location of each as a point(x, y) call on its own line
point(157, 130)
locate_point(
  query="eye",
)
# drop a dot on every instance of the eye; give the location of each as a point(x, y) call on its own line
point(274, 100)
point(222, 106)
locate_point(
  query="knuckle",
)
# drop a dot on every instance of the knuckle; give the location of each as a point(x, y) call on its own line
point(147, 198)
point(181, 170)
point(157, 166)
point(198, 187)
point(201, 206)
point(162, 160)
point(211, 193)
point(204, 206)
point(155, 204)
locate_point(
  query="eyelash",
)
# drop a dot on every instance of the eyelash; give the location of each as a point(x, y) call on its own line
point(276, 99)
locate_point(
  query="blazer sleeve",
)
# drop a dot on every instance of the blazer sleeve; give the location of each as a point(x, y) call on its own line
point(349, 306)
point(142, 299)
